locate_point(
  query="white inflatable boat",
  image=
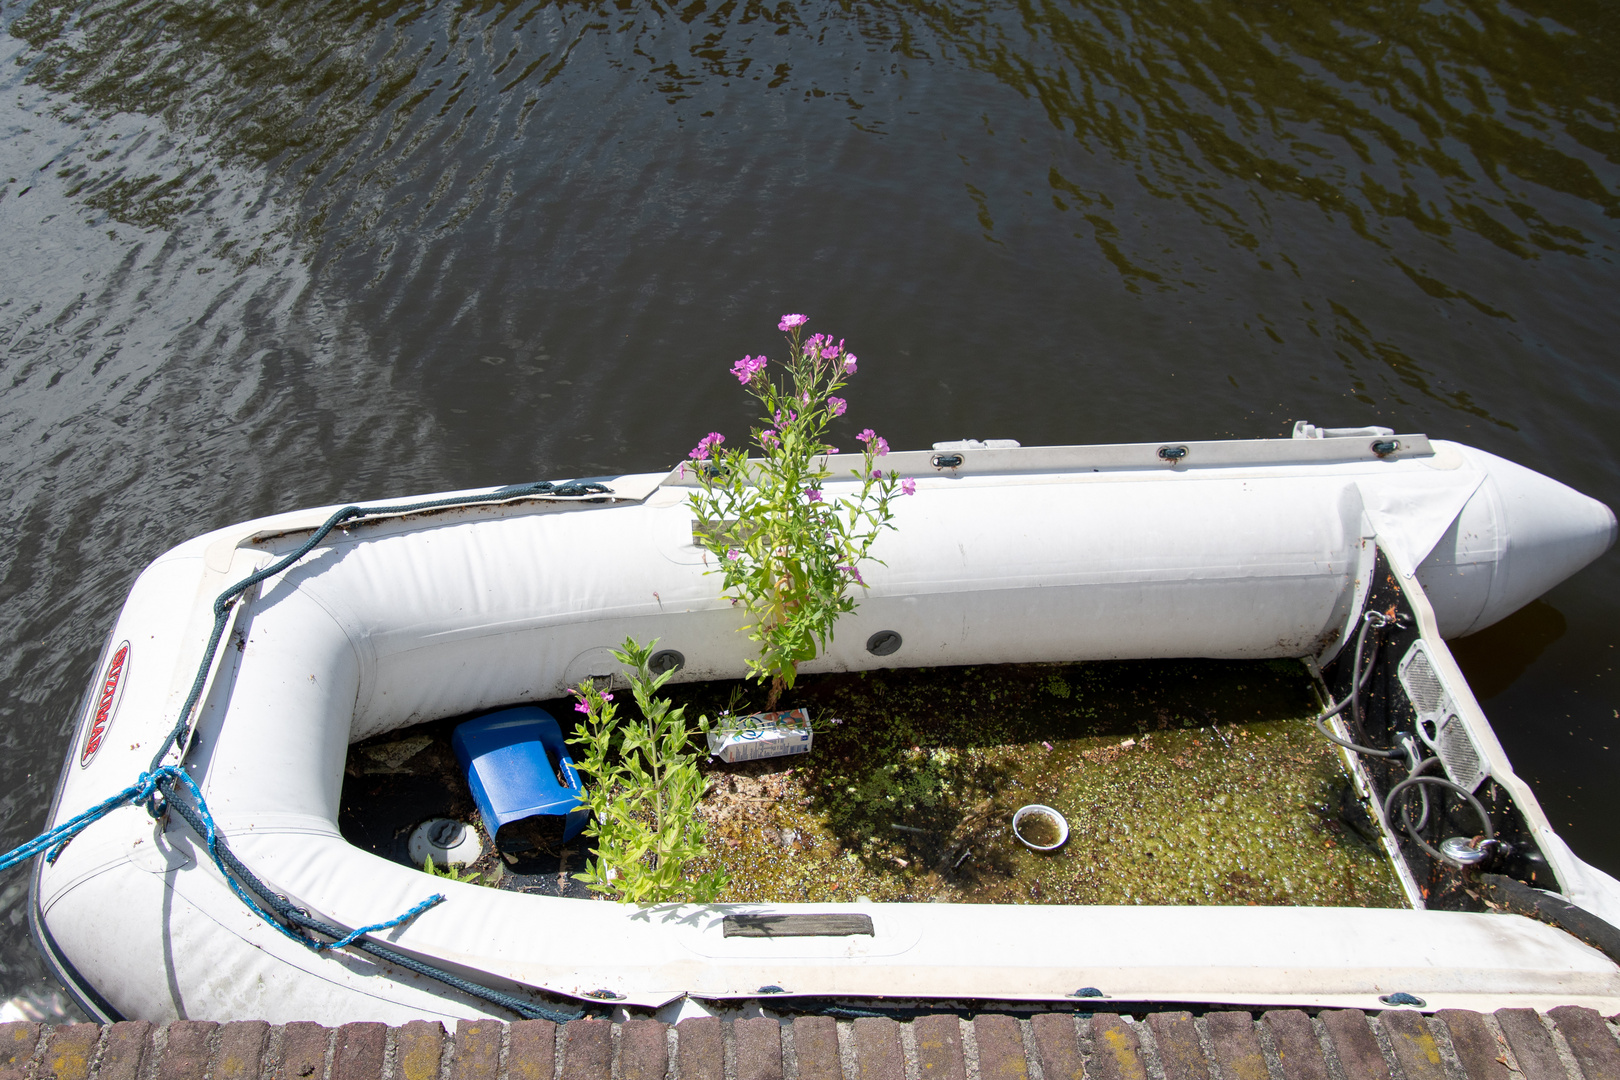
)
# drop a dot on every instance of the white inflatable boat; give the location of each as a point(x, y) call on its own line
point(1240, 549)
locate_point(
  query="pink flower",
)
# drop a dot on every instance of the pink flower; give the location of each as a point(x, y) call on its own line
point(733, 554)
point(849, 363)
point(831, 351)
point(812, 494)
point(908, 486)
point(711, 441)
point(837, 405)
point(749, 366)
point(789, 414)
point(768, 437)
point(854, 573)
point(877, 474)
point(582, 707)
point(875, 443)
point(1047, 745)
point(792, 322)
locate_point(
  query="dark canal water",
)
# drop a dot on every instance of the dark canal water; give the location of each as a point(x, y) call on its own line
point(266, 255)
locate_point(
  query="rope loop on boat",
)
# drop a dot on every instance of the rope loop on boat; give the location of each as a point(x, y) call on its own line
point(223, 603)
point(197, 815)
point(297, 923)
point(54, 840)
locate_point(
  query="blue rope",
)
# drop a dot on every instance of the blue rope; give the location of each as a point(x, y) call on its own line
point(299, 918)
point(162, 781)
point(211, 837)
point(57, 838)
point(156, 787)
point(349, 938)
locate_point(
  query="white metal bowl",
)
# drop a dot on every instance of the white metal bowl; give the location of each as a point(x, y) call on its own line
point(1037, 810)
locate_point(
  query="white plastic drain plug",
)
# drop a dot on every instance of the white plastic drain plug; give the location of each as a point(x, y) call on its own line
point(448, 841)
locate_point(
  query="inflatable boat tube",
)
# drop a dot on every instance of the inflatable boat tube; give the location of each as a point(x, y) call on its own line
point(1230, 550)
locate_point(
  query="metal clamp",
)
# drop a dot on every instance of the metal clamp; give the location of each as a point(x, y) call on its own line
point(947, 461)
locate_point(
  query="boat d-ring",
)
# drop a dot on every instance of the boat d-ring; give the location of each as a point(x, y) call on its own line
point(1173, 455)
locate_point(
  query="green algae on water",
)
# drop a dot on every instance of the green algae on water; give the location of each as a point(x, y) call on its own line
point(1185, 782)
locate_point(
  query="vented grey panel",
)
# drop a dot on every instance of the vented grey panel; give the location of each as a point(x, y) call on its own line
point(1439, 724)
point(1421, 683)
point(1457, 753)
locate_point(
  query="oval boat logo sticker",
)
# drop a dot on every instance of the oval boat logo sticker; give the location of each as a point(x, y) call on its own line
point(108, 696)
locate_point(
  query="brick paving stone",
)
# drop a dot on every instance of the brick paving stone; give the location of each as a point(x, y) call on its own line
point(815, 1045)
point(757, 1046)
point(1295, 1039)
point(1413, 1043)
point(700, 1048)
point(69, 1051)
point(939, 1048)
point(643, 1052)
point(587, 1050)
point(185, 1057)
point(238, 1051)
point(1532, 1044)
point(1180, 1055)
point(18, 1041)
point(303, 1051)
point(241, 1050)
point(1237, 1046)
point(1356, 1044)
point(1057, 1041)
point(1001, 1048)
point(1116, 1054)
point(878, 1052)
point(123, 1057)
point(1589, 1040)
point(478, 1050)
point(1475, 1043)
point(358, 1053)
point(419, 1048)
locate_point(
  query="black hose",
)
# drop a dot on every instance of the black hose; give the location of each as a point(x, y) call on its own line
point(1416, 769)
point(1417, 779)
point(1358, 681)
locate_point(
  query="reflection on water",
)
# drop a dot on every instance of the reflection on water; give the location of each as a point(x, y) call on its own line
point(1407, 127)
point(262, 255)
point(1481, 117)
point(1493, 659)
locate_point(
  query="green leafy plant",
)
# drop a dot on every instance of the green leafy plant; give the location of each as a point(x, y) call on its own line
point(790, 556)
point(449, 871)
point(642, 790)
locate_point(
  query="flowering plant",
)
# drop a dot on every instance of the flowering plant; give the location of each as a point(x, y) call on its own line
point(788, 554)
point(644, 791)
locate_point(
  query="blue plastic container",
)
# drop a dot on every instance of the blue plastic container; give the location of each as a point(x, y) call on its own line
point(513, 758)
